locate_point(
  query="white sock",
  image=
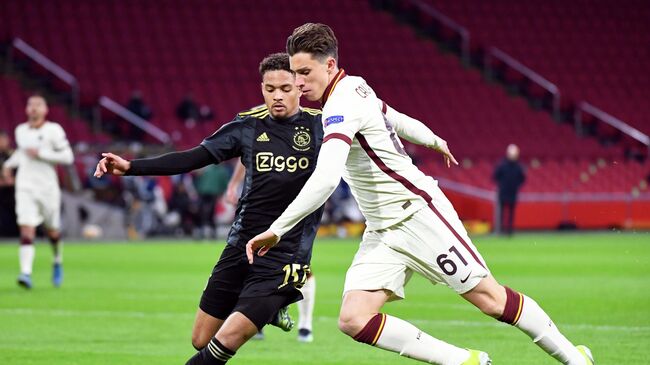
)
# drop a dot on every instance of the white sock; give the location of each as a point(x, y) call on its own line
point(26, 258)
point(538, 325)
point(407, 340)
point(306, 305)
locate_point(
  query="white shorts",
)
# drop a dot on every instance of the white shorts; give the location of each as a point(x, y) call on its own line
point(34, 208)
point(432, 242)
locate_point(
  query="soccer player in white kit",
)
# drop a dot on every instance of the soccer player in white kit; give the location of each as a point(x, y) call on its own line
point(411, 226)
point(41, 145)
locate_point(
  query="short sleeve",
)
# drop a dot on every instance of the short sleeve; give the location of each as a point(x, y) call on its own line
point(59, 139)
point(341, 120)
point(226, 142)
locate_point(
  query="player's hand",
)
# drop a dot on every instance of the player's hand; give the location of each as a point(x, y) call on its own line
point(262, 242)
point(443, 148)
point(32, 152)
point(111, 164)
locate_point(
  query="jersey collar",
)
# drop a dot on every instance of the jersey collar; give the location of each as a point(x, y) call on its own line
point(330, 88)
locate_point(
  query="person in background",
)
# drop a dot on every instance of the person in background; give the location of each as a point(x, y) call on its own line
point(509, 176)
point(211, 182)
point(42, 145)
point(8, 227)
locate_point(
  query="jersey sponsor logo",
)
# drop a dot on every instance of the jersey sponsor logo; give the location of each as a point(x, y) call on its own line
point(267, 161)
point(363, 90)
point(301, 139)
point(334, 119)
point(263, 138)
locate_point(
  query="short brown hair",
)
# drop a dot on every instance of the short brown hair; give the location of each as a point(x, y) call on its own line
point(315, 38)
point(275, 62)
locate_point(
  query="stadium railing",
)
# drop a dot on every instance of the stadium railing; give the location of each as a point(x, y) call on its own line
point(59, 72)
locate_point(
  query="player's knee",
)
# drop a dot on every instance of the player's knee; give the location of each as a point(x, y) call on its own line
point(198, 341)
point(350, 324)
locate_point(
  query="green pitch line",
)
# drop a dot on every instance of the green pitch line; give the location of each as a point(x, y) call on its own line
point(134, 303)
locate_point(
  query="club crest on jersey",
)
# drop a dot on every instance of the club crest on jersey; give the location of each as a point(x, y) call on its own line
point(334, 119)
point(301, 139)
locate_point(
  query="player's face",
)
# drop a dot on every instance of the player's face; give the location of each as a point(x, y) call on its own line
point(36, 109)
point(281, 95)
point(312, 75)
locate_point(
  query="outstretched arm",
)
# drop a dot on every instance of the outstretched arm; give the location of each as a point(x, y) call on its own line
point(168, 164)
point(416, 132)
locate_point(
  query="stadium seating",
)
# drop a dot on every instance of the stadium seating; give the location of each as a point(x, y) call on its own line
point(167, 48)
point(12, 112)
point(593, 50)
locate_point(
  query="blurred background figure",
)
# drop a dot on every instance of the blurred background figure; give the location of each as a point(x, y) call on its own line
point(509, 175)
point(41, 145)
point(8, 227)
point(211, 182)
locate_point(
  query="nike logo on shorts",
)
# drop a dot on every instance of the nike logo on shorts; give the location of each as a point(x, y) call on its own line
point(463, 281)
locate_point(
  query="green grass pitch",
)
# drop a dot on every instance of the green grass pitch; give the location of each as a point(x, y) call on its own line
point(134, 303)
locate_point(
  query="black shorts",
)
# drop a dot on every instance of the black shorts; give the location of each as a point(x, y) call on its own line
point(270, 280)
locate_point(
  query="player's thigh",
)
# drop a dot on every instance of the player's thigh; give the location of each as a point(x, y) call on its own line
point(27, 209)
point(377, 267)
point(438, 250)
point(225, 283)
point(261, 310)
point(363, 304)
point(205, 327)
point(50, 209)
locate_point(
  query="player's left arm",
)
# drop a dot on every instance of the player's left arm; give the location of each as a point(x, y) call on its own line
point(416, 132)
point(59, 152)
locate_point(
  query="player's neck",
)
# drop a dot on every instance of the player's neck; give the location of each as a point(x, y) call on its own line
point(36, 123)
point(333, 78)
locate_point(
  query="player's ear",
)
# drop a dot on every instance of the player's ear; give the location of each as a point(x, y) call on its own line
point(331, 64)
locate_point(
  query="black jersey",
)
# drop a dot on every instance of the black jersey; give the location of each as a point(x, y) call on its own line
point(279, 156)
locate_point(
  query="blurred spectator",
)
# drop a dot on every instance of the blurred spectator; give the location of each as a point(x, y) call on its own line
point(183, 204)
point(138, 107)
point(509, 176)
point(188, 109)
point(190, 113)
point(8, 226)
point(146, 205)
point(211, 182)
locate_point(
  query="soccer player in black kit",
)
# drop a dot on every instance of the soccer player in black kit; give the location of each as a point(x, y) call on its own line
point(278, 143)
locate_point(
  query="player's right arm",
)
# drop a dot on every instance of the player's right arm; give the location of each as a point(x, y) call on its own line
point(168, 164)
point(223, 145)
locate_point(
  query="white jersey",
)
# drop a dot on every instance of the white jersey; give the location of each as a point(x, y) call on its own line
point(39, 174)
point(382, 177)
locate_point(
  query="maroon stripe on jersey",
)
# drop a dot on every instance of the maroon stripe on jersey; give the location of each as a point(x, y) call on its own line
point(415, 190)
point(514, 305)
point(384, 107)
point(340, 136)
point(372, 330)
point(330, 88)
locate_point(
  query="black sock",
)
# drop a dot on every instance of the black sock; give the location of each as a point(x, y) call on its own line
point(213, 354)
